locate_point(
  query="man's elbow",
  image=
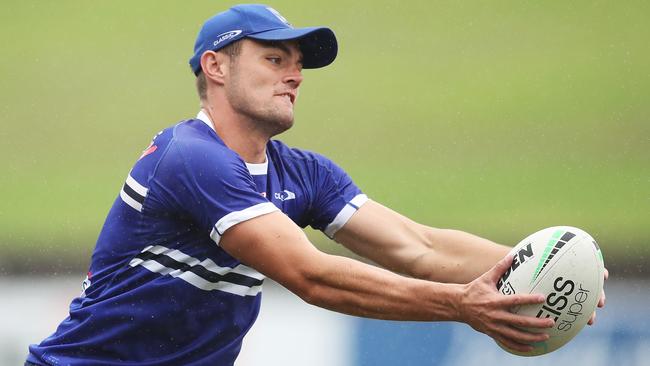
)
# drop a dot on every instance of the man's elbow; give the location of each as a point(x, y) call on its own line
point(304, 283)
point(310, 294)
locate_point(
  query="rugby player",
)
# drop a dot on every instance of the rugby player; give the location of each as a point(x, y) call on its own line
point(214, 206)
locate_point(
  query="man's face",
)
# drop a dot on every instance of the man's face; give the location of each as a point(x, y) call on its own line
point(263, 82)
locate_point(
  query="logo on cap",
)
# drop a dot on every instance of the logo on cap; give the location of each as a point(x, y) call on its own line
point(227, 35)
point(278, 15)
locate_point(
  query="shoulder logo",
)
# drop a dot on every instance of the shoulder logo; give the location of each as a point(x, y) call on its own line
point(285, 195)
point(226, 36)
point(148, 151)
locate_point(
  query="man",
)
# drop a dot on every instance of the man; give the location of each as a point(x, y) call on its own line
point(214, 206)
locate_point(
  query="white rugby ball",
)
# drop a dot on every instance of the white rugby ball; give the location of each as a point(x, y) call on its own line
point(566, 265)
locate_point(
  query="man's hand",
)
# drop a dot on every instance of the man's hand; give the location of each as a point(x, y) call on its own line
point(601, 301)
point(488, 311)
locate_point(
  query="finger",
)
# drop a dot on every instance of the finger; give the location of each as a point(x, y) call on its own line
point(512, 345)
point(510, 301)
point(606, 274)
point(592, 319)
point(520, 335)
point(500, 268)
point(601, 301)
point(522, 321)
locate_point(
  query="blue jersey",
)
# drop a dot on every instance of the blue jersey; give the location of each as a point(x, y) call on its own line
point(160, 290)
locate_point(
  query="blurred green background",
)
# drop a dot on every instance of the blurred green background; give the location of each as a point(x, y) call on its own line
point(498, 118)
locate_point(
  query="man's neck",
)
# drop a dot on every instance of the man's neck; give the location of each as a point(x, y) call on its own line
point(240, 136)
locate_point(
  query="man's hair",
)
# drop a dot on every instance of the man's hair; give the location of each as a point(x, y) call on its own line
point(232, 50)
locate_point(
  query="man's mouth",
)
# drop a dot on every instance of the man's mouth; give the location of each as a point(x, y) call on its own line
point(290, 95)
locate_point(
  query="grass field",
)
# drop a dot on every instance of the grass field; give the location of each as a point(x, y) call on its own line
point(495, 118)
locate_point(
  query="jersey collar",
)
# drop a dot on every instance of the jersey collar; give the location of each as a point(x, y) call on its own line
point(253, 169)
point(205, 119)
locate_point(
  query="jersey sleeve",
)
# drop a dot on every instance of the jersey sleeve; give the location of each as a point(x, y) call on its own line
point(210, 185)
point(336, 197)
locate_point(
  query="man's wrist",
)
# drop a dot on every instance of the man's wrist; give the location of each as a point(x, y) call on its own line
point(447, 302)
point(458, 295)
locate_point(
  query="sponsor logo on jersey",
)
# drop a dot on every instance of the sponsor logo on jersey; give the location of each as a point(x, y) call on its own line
point(226, 36)
point(284, 195)
point(85, 284)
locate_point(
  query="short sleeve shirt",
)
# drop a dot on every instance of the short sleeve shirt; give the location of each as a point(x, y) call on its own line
point(160, 290)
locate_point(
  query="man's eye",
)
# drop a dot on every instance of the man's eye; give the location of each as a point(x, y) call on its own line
point(275, 60)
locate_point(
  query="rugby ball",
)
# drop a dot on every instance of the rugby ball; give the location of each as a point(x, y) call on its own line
point(566, 265)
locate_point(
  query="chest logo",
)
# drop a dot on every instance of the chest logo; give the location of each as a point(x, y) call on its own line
point(285, 195)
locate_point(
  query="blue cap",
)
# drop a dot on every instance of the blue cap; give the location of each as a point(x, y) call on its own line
point(261, 22)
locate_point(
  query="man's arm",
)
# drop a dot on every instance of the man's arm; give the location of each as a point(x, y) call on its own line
point(404, 246)
point(276, 247)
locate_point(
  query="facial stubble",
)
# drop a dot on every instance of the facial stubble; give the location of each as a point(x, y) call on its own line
point(268, 118)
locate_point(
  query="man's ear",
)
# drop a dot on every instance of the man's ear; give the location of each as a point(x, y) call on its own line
point(215, 66)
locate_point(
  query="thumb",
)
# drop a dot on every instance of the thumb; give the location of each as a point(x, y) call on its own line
point(500, 268)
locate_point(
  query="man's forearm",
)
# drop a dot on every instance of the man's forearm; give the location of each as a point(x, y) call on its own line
point(280, 250)
point(277, 248)
point(454, 256)
point(401, 245)
point(348, 286)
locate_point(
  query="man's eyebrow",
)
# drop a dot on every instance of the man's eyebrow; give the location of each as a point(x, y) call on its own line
point(280, 45)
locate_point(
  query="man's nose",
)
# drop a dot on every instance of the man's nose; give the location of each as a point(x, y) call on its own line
point(294, 78)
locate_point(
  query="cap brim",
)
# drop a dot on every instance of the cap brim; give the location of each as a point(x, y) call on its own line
point(317, 44)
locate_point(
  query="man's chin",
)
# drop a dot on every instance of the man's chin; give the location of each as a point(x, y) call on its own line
point(277, 124)
point(282, 127)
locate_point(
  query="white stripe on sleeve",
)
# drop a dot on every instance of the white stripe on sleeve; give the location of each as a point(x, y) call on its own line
point(130, 201)
point(236, 217)
point(142, 190)
point(344, 215)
